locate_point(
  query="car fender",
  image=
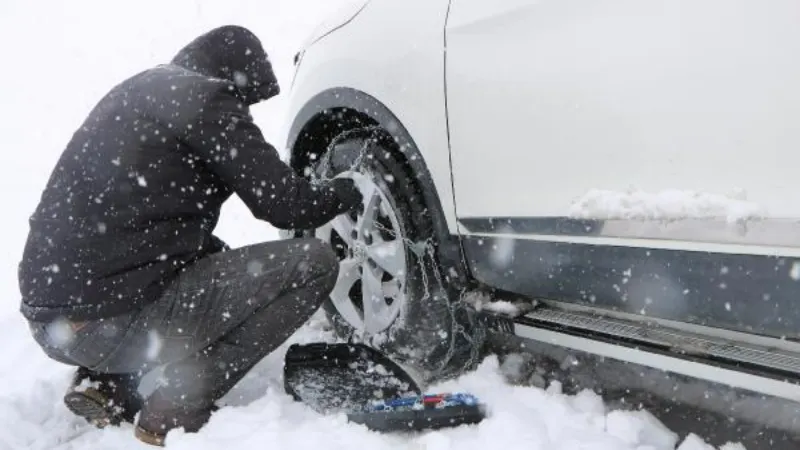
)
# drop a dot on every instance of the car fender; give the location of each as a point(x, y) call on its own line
point(401, 71)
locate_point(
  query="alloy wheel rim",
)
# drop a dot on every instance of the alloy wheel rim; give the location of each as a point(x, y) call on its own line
point(370, 289)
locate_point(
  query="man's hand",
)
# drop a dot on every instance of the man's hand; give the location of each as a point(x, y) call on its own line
point(267, 185)
point(347, 193)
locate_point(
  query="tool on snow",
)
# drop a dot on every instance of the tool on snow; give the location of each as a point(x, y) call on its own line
point(371, 390)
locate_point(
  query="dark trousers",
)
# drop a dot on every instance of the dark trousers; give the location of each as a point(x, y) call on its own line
point(218, 319)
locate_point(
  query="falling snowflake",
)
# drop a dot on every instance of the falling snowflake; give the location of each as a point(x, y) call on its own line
point(255, 267)
point(60, 333)
point(154, 345)
point(240, 79)
point(794, 273)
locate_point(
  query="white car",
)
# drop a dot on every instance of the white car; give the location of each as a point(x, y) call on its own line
point(603, 179)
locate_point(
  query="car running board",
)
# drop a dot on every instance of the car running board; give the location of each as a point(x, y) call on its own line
point(754, 363)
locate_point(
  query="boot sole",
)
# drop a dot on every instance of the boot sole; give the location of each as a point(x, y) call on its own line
point(156, 439)
point(148, 437)
point(90, 405)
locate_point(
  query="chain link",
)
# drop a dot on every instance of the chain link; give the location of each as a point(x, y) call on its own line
point(358, 164)
point(425, 249)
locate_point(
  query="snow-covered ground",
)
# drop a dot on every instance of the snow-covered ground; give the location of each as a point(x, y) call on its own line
point(59, 58)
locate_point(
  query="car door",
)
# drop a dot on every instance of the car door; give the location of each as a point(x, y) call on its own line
point(595, 143)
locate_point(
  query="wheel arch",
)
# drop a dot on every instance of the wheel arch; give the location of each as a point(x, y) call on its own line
point(334, 111)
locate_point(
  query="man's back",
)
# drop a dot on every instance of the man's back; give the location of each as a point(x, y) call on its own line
point(127, 193)
point(137, 193)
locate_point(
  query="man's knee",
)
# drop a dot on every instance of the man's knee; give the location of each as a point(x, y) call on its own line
point(319, 261)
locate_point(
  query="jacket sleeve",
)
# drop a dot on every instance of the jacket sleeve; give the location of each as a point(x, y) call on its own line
point(225, 138)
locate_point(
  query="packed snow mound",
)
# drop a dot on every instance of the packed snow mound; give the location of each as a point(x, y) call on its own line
point(483, 301)
point(260, 415)
point(670, 204)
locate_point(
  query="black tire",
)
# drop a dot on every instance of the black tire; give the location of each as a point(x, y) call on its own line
point(437, 335)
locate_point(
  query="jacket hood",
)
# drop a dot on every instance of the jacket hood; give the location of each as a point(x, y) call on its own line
point(232, 53)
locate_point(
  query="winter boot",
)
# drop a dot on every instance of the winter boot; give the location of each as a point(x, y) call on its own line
point(103, 399)
point(160, 415)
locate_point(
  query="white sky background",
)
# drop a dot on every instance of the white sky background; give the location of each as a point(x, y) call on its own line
point(60, 58)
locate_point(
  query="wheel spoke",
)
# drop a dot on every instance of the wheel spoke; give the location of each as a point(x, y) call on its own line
point(340, 296)
point(371, 255)
point(372, 199)
point(324, 232)
point(389, 256)
point(344, 226)
point(376, 310)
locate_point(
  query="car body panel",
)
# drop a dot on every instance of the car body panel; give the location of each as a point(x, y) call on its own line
point(549, 100)
point(740, 292)
point(688, 103)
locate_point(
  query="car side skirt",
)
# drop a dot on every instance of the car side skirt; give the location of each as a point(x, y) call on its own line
point(746, 283)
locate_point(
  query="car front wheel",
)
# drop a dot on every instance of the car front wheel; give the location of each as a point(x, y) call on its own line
point(389, 293)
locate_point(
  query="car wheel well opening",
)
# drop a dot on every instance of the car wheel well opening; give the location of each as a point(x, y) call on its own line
point(335, 126)
point(319, 130)
point(323, 130)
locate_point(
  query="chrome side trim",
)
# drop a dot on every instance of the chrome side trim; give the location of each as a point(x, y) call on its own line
point(740, 380)
point(686, 246)
point(767, 232)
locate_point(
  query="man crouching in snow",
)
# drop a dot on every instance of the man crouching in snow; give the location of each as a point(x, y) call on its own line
point(121, 272)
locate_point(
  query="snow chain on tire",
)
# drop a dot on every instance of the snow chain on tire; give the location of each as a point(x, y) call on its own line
point(465, 334)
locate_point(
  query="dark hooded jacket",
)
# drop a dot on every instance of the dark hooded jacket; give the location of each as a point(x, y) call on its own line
point(137, 192)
